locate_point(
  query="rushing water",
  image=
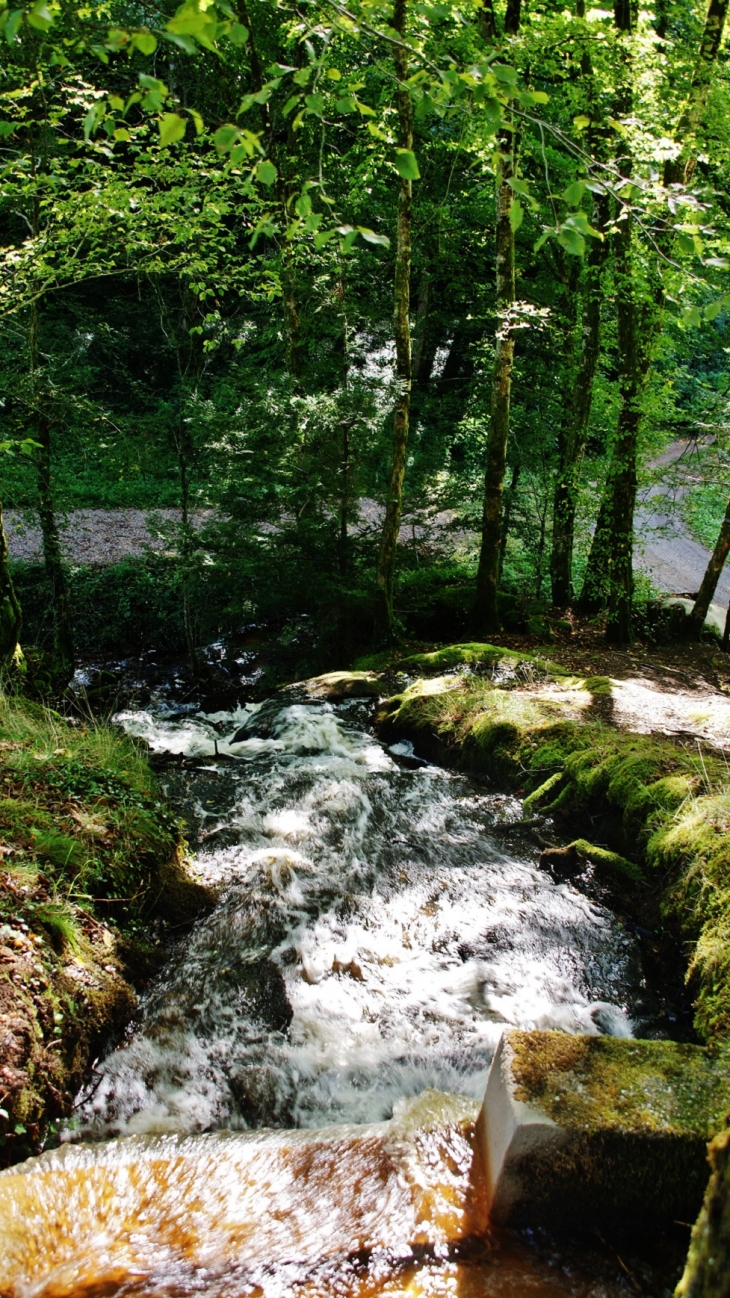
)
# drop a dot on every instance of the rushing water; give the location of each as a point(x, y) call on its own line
point(374, 935)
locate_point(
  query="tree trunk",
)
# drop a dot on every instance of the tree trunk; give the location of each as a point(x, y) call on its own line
point(707, 1273)
point(712, 576)
point(63, 649)
point(594, 590)
point(680, 170)
point(391, 525)
point(577, 418)
point(10, 615)
point(486, 612)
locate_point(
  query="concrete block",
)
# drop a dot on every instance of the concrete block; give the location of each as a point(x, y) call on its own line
point(576, 1131)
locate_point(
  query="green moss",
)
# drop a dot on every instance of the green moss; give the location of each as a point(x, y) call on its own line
point(487, 656)
point(610, 860)
point(89, 855)
point(536, 797)
point(605, 1083)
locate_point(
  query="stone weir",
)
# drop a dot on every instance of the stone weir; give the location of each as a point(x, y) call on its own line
point(573, 1130)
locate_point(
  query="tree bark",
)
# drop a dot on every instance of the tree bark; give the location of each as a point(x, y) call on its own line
point(11, 618)
point(63, 647)
point(402, 329)
point(486, 612)
point(712, 576)
point(680, 170)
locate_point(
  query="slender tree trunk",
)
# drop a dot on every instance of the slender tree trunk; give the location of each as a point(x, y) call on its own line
point(391, 525)
point(509, 500)
point(486, 611)
point(63, 647)
point(578, 418)
point(187, 549)
point(712, 576)
point(594, 591)
point(622, 499)
point(680, 170)
point(10, 615)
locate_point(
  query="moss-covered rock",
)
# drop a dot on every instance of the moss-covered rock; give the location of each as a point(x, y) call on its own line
point(584, 1130)
point(334, 686)
point(89, 856)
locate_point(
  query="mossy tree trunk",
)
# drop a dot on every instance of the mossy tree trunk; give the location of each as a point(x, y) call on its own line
point(707, 1273)
point(486, 610)
point(11, 618)
point(577, 418)
point(394, 500)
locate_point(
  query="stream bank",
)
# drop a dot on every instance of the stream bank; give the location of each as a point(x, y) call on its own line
point(92, 875)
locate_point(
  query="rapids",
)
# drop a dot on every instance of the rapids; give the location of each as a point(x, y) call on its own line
point(274, 1122)
point(371, 940)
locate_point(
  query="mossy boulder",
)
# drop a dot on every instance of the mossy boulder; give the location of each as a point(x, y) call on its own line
point(707, 1273)
point(334, 686)
point(580, 1131)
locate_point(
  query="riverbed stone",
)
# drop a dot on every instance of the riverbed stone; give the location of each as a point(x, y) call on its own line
point(577, 1130)
point(334, 686)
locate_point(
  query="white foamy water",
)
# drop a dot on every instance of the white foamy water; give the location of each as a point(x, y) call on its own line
point(372, 939)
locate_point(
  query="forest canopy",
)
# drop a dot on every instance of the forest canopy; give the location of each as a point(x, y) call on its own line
point(395, 305)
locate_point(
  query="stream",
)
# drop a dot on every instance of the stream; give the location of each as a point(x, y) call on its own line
point(374, 935)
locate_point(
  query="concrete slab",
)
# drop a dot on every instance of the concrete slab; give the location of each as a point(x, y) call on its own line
point(577, 1131)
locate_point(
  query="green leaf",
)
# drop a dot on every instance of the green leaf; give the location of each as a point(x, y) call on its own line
point(197, 120)
point(315, 104)
point(266, 172)
point(693, 317)
point(407, 164)
point(516, 215)
point(145, 42)
point(40, 16)
point(540, 243)
point(225, 138)
point(303, 205)
point(290, 104)
point(376, 132)
point(540, 97)
point(504, 73)
point(686, 243)
point(364, 109)
point(574, 193)
point(581, 121)
point(14, 20)
point(348, 104)
point(238, 34)
point(713, 310)
point(121, 133)
point(172, 128)
point(6, 128)
point(322, 237)
point(334, 74)
point(572, 241)
point(301, 77)
point(371, 237)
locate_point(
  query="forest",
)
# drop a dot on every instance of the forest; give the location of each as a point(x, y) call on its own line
point(397, 306)
point(364, 785)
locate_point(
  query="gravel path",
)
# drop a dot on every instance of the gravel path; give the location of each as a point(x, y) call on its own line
point(97, 536)
point(665, 550)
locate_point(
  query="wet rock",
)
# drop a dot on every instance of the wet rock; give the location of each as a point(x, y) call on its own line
point(562, 862)
point(579, 1131)
point(334, 686)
